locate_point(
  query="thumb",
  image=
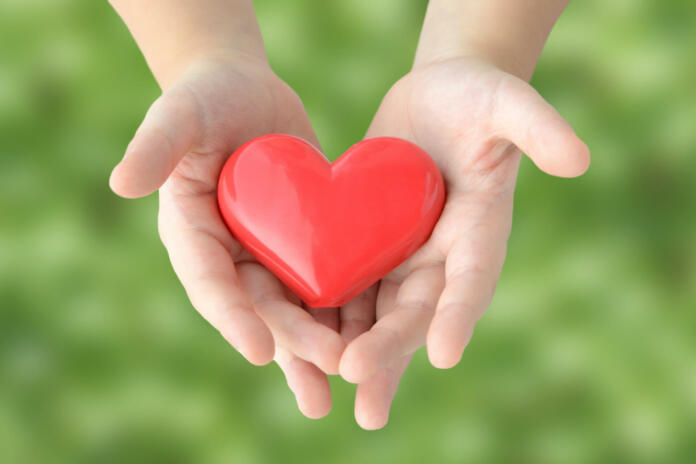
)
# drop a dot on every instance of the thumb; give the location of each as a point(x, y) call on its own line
point(166, 134)
point(524, 118)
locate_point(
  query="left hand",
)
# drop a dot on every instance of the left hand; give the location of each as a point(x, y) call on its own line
point(473, 119)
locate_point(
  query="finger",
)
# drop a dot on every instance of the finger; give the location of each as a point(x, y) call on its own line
point(385, 298)
point(472, 269)
point(522, 116)
point(309, 384)
point(207, 271)
point(374, 397)
point(166, 134)
point(293, 328)
point(398, 333)
point(358, 315)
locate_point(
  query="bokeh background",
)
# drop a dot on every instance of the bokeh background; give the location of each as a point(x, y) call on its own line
point(588, 353)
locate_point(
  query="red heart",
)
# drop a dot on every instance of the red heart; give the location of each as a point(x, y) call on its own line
point(329, 231)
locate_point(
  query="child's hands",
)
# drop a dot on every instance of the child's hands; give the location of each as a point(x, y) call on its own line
point(219, 92)
point(467, 115)
point(463, 104)
point(187, 135)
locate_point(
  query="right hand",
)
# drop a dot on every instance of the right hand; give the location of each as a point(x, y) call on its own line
point(217, 104)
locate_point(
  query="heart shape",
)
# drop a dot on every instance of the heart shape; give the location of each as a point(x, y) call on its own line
point(330, 230)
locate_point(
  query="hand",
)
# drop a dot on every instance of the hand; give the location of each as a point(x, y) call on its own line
point(217, 104)
point(471, 117)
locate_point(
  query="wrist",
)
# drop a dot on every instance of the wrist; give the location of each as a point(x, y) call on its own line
point(174, 34)
point(508, 34)
point(207, 59)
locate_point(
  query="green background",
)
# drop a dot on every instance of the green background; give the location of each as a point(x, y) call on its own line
point(588, 352)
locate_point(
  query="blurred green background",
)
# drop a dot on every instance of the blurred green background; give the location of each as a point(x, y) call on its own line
point(587, 354)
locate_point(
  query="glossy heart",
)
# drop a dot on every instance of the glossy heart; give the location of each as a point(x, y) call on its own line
point(329, 231)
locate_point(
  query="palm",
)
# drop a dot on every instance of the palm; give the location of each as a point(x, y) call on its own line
point(446, 110)
point(221, 106)
point(466, 115)
point(463, 113)
point(185, 139)
point(224, 105)
point(479, 171)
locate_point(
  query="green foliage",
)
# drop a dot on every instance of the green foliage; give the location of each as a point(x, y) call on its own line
point(586, 355)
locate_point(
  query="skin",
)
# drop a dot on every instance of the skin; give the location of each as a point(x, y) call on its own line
point(218, 92)
point(470, 117)
point(466, 102)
